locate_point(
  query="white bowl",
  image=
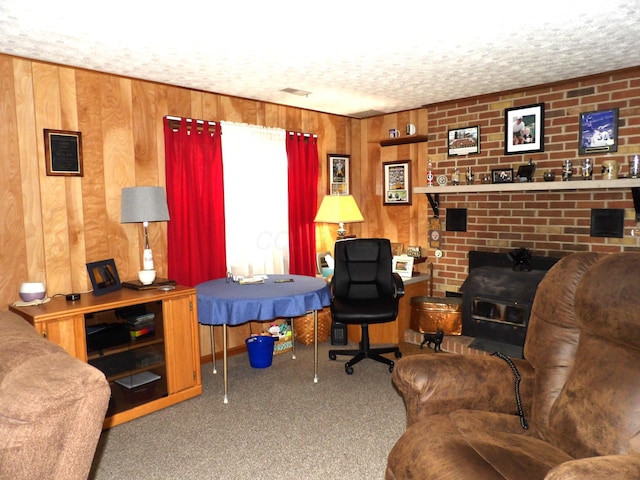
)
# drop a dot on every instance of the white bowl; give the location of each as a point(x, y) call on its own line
point(30, 291)
point(147, 277)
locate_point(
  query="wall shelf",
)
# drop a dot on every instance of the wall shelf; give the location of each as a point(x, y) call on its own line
point(532, 186)
point(403, 140)
point(436, 190)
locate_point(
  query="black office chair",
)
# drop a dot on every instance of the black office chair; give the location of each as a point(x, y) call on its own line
point(364, 291)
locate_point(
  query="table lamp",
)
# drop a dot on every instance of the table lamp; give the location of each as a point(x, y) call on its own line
point(339, 209)
point(144, 205)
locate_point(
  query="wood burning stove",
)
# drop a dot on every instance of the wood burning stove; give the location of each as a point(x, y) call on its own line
point(497, 299)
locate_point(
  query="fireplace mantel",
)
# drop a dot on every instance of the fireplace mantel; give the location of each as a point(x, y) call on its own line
point(532, 186)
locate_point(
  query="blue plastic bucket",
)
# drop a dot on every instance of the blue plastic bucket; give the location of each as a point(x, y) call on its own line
point(260, 350)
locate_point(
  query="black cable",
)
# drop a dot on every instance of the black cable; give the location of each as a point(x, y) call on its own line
point(516, 374)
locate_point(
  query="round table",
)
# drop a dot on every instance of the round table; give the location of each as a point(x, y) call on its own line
point(224, 302)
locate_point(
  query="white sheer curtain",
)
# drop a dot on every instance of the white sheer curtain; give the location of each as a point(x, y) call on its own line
point(256, 199)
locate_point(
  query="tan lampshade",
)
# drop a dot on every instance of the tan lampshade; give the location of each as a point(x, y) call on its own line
point(339, 209)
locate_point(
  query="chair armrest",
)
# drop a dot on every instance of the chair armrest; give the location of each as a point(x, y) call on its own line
point(399, 285)
point(611, 467)
point(440, 383)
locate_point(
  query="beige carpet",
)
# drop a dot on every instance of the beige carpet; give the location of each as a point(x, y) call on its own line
point(278, 424)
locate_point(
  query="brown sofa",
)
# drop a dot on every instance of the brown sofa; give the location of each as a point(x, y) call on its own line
point(52, 406)
point(579, 389)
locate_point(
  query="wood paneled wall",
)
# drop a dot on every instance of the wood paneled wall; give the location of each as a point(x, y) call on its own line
point(52, 226)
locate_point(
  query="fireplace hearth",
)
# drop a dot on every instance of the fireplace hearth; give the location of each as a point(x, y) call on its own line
point(496, 300)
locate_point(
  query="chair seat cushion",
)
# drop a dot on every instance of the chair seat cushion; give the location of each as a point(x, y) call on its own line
point(472, 444)
point(364, 311)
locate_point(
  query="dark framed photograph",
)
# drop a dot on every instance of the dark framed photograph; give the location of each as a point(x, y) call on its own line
point(464, 141)
point(63, 153)
point(104, 276)
point(502, 175)
point(524, 129)
point(598, 132)
point(338, 174)
point(396, 178)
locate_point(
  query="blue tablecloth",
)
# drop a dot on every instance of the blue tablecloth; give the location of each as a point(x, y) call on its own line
point(222, 303)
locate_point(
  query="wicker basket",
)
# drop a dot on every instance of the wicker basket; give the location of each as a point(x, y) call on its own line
point(282, 345)
point(303, 327)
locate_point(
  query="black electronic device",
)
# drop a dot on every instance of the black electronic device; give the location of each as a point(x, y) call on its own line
point(339, 333)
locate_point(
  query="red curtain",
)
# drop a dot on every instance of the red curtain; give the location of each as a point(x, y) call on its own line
point(195, 196)
point(302, 153)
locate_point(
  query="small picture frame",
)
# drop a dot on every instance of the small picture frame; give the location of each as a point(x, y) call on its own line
point(524, 129)
point(502, 175)
point(598, 132)
point(338, 174)
point(403, 265)
point(397, 248)
point(464, 141)
point(104, 276)
point(321, 261)
point(63, 153)
point(414, 251)
point(396, 178)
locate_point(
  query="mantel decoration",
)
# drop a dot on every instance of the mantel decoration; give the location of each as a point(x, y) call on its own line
point(464, 141)
point(338, 174)
point(524, 129)
point(63, 153)
point(598, 132)
point(397, 182)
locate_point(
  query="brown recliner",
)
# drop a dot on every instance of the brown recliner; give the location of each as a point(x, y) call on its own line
point(579, 389)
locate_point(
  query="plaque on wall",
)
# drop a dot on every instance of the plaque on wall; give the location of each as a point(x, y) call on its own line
point(63, 153)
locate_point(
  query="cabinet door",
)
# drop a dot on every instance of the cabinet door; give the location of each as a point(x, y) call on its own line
point(68, 332)
point(182, 347)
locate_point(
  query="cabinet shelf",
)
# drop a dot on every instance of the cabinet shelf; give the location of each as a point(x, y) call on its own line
point(403, 140)
point(172, 352)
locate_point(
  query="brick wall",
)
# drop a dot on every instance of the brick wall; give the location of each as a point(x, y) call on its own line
point(549, 223)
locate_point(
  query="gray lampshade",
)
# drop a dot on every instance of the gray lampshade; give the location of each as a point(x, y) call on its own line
point(144, 204)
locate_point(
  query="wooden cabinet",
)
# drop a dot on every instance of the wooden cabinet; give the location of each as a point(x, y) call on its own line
point(146, 342)
point(393, 332)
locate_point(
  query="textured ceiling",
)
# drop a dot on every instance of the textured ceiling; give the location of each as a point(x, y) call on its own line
point(354, 58)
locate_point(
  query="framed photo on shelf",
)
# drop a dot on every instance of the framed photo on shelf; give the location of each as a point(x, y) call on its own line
point(598, 132)
point(396, 178)
point(502, 175)
point(104, 276)
point(63, 153)
point(338, 174)
point(464, 141)
point(524, 129)
point(403, 265)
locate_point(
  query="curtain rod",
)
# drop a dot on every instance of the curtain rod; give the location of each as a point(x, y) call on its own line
point(315, 135)
point(202, 122)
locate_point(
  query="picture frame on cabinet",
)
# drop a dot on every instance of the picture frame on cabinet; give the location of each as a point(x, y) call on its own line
point(104, 276)
point(63, 153)
point(502, 175)
point(524, 129)
point(403, 265)
point(338, 174)
point(396, 178)
point(598, 132)
point(464, 141)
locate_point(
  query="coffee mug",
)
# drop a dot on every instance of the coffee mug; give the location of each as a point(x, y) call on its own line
point(411, 129)
point(394, 133)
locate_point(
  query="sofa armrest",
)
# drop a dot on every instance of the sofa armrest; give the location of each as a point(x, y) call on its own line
point(440, 383)
point(611, 467)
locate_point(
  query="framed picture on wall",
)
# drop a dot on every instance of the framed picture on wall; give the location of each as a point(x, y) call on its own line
point(464, 141)
point(338, 174)
point(63, 153)
point(524, 129)
point(396, 178)
point(598, 132)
